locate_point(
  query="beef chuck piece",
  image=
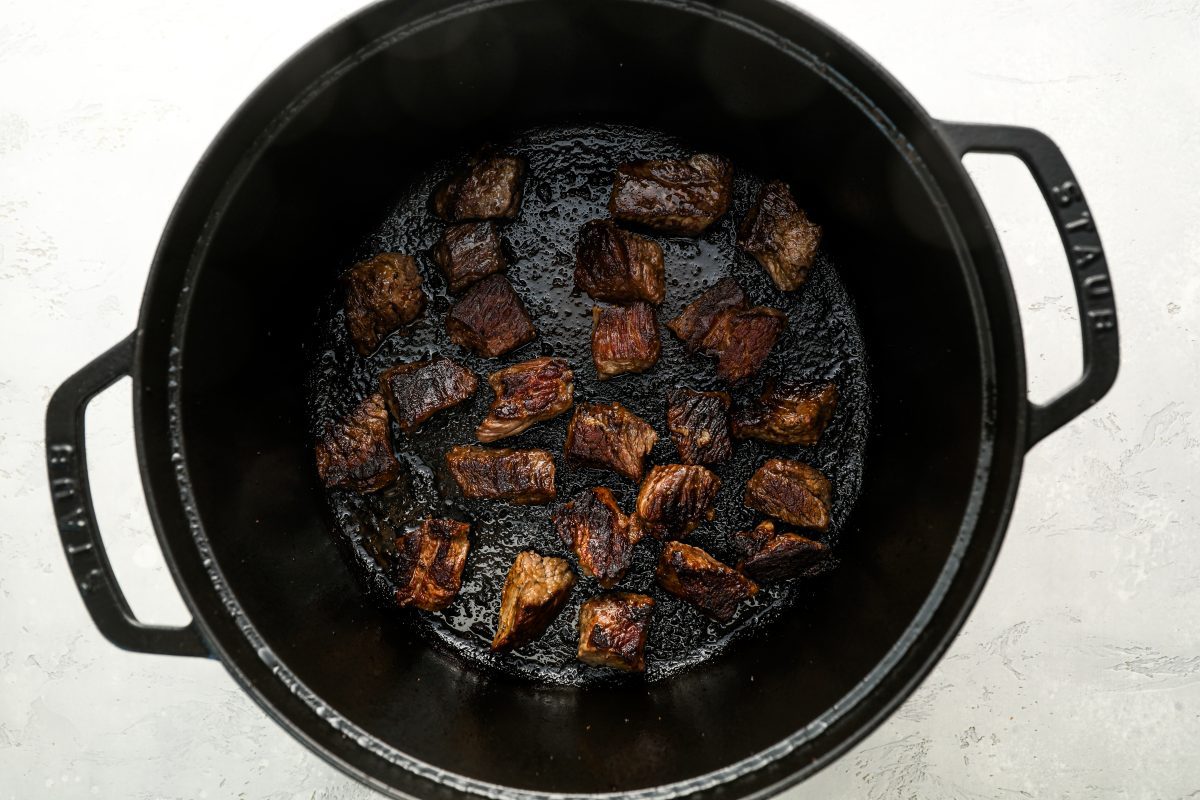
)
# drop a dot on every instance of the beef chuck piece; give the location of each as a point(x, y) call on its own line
point(534, 593)
point(694, 323)
point(355, 453)
point(490, 319)
point(613, 264)
point(624, 339)
point(466, 253)
point(415, 392)
point(610, 436)
point(742, 339)
point(792, 492)
point(593, 525)
point(613, 629)
point(699, 423)
point(524, 477)
point(526, 394)
point(674, 499)
point(488, 188)
point(693, 575)
point(788, 412)
point(681, 197)
point(771, 555)
point(383, 294)
point(780, 236)
point(430, 563)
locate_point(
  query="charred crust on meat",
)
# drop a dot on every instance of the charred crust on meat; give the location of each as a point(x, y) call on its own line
point(534, 593)
point(696, 320)
point(468, 253)
point(523, 477)
point(699, 424)
point(382, 295)
point(770, 555)
point(609, 436)
point(416, 391)
point(613, 630)
point(429, 564)
point(791, 492)
point(680, 197)
point(488, 187)
point(601, 535)
point(616, 265)
point(490, 319)
point(693, 575)
point(624, 339)
point(780, 236)
point(355, 452)
point(526, 394)
point(742, 339)
point(675, 498)
point(787, 412)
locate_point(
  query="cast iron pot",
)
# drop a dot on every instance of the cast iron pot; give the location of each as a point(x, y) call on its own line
point(311, 162)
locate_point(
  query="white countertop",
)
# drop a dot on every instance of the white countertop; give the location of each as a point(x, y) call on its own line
point(1078, 674)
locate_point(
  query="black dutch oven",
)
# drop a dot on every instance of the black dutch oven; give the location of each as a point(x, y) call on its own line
point(312, 161)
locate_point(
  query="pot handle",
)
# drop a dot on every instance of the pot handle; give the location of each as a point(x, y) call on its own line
point(66, 462)
point(1089, 268)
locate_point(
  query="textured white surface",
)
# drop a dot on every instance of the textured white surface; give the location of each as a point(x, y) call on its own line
point(1077, 676)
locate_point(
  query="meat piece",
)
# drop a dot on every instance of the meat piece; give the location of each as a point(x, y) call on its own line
point(787, 412)
point(610, 436)
point(534, 592)
point(792, 492)
point(429, 564)
point(742, 339)
point(613, 264)
point(593, 525)
point(674, 499)
point(699, 423)
point(694, 323)
point(489, 187)
point(681, 197)
point(526, 394)
point(415, 392)
point(465, 253)
point(693, 575)
point(613, 629)
point(624, 339)
point(490, 319)
point(771, 555)
point(780, 236)
point(383, 294)
point(524, 477)
point(355, 453)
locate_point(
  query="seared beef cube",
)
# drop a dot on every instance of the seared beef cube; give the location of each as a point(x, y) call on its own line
point(356, 452)
point(788, 412)
point(593, 525)
point(524, 477)
point(699, 423)
point(697, 319)
point(624, 339)
point(429, 564)
point(613, 264)
point(771, 555)
point(534, 592)
point(415, 392)
point(610, 436)
point(383, 294)
point(468, 252)
point(674, 499)
point(526, 394)
point(613, 629)
point(780, 236)
point(693, 575)
point(681, 197)
point(792, 492)
point(742, 339)
point(490, 319)
point(488, 188)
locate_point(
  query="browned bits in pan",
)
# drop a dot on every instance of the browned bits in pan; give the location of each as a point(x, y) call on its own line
point(609, 436)
point(429, 564)
point(489, 187)
point(679, 197)
point(699, 423)
point(787, 412)
point(534, 592)
point(613, 630)
point(770, 555)
point(415, 392)
point(469, 252)
point(695, 576)
point(490, 319)
point(524, 477)
point(741, 339)
point(526, 394)
point(593, 525)
point(791, 492)
point(780, 236)
point(382, 294)
point(615, 265)
point(355, 452)
point(675, 498)
point(624, 339)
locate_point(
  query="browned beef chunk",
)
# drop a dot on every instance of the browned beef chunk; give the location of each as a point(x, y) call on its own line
point(610, 436)
point(526, 394)
point(383, 294)
point(681, 197)
point(624, 339)
point(780, 236)
point(771, 555)
point(699, 423)
point(534, 593)
point(674, 499)
point(468, 252)
point(693, 575)
point(356, 452)
point(697, 319)
point(490, 319)
point(593, 525)
point(524, 477)
point(488, 188)
point(430, 563)
point(415, 392)
point(788, 412)
point(613, 629)
point(613, 264)
point(792, 492)
point(742, 339)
